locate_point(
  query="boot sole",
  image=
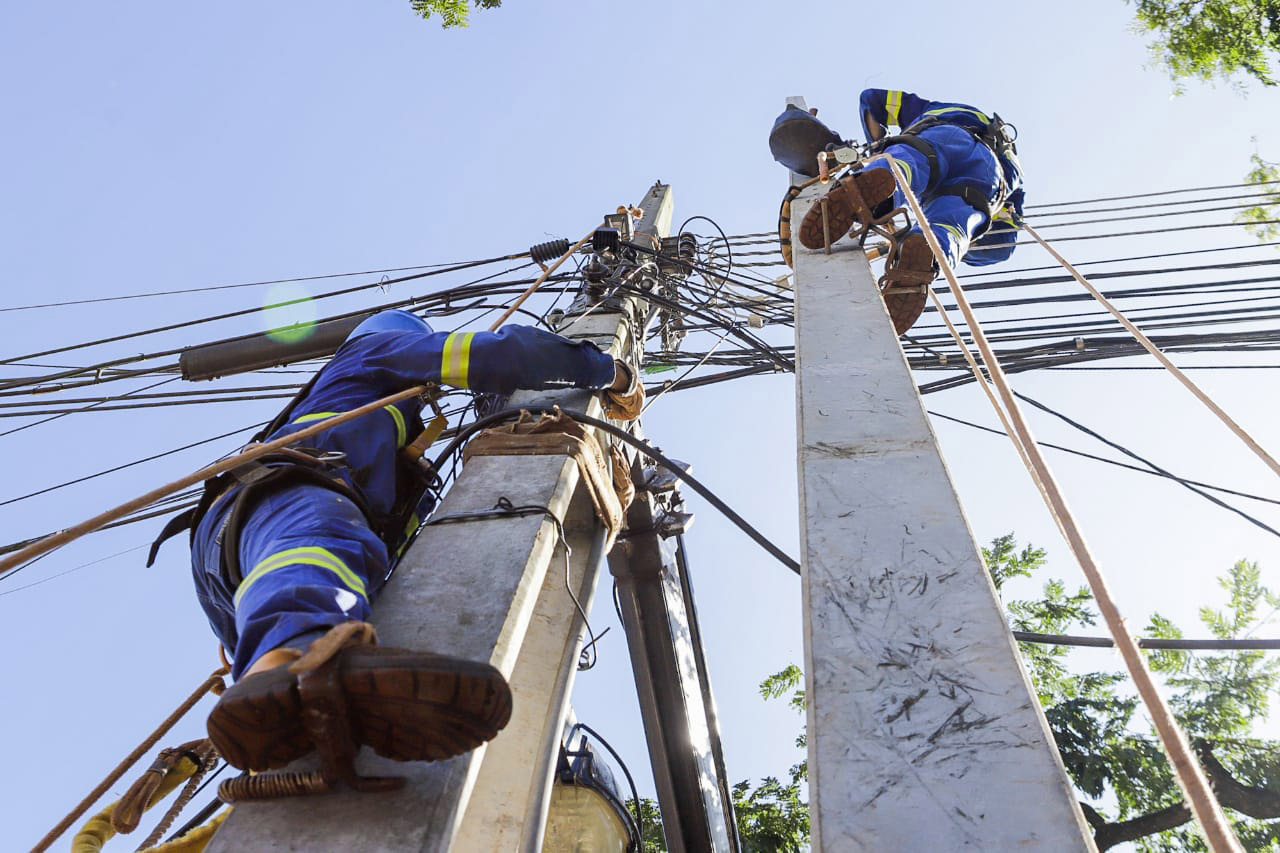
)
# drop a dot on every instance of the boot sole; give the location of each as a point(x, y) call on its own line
point(874, 186)
point(905, 308)
point(406, 706)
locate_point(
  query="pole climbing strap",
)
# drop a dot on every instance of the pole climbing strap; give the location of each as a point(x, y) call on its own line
point(784, 219)
point(173, 766)
point(607, 477)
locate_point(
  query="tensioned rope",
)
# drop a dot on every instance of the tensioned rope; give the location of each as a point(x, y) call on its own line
point(213, 683)
point(1191, 778)
point(1160, 356)
point(56, 540)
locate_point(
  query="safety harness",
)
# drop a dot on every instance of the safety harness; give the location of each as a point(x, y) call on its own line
point(306, 466)
point(997, 135)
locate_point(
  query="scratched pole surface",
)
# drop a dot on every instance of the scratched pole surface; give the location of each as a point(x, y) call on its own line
point(924, 733)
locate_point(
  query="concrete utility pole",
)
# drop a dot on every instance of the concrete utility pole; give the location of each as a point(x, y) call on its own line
point(924, 731)
point(493, 589)
point(655, 597)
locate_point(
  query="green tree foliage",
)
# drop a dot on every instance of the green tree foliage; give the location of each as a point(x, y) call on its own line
point(772, 817)
point(1204, 39)
point(1108, 747)
point(1260, 219)
point(453, 13)
point(1110, 751)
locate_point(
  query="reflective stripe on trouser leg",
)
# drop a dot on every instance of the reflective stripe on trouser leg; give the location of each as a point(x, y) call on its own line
point(913, 163)
point(954, 223)
point(315, 564)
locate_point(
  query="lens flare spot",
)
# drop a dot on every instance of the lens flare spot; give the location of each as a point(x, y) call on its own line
point(289, 313)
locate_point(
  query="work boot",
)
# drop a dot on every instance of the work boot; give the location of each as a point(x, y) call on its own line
point(857, 199)
point(906, 280)
point(405, 705)
point(797, 138)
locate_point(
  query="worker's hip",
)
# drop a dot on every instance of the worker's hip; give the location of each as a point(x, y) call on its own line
point(962, 159)
point(298, 525)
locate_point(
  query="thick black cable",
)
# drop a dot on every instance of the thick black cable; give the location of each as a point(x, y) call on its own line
point(1152, 194)
point(1146, 643)
point(1114, 462)
point(635, 796)
point(1154, 467)
point(644, 447)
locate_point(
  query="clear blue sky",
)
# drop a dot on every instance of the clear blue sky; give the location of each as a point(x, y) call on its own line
point(154, 146)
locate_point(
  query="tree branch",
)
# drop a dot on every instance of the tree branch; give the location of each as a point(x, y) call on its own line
point(1107, 835)
point(1258, 803)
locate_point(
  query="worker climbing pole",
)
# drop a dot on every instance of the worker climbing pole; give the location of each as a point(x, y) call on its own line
point(410, 729)
point(961, 161)
point(883, 584)
point(923, 729)
point(292, 544)
point(503, 574)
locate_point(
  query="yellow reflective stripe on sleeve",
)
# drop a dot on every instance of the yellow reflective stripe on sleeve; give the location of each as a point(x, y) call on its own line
point(314, 416)
point(399, 419)
point(893, 103)
point(981, 116)
point(308, 556)
point(455, 361)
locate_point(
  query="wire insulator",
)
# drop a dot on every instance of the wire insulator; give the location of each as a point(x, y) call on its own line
point(547, 252)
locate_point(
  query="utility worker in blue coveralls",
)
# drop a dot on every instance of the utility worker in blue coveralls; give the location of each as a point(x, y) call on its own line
point(961, 163)
point(288, 556)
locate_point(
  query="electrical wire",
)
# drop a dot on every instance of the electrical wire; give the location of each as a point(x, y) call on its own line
point(297, 279)
point(121, 467)
point(639, 444)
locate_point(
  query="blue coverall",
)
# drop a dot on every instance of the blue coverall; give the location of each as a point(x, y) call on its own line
point(962, 160)
point(308, 556)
